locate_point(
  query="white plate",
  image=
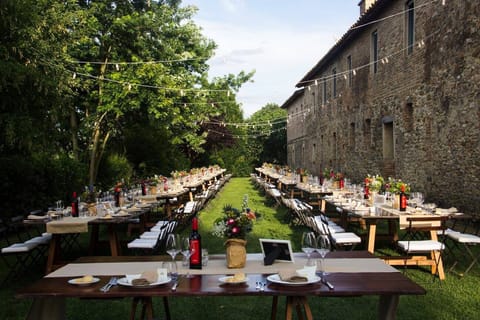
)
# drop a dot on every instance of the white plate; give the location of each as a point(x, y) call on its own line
point(275, 278)
point(75, 281)
point(226, 280)
point(124, 282)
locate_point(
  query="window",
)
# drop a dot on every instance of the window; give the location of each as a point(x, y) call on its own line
point(314, 152)
point(352, 135)
point(408, 116)
point(334, 82)
point(367, 132)
point(350, 71)
point(410, 22)
point(324, 91)
point(374, 55)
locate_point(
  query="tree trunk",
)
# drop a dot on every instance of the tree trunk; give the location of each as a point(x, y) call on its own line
point(74, 131)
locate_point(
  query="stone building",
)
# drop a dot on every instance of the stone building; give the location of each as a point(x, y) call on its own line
point(397, 95)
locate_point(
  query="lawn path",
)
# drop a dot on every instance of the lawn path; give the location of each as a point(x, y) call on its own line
point(272, 222)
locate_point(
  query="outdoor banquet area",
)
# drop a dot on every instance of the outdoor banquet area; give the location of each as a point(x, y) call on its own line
point(128, 240)
point(235, 159)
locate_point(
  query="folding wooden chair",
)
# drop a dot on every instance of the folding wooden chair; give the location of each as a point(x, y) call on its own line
point(427, 227)
point(17, 256)
point(466, 242)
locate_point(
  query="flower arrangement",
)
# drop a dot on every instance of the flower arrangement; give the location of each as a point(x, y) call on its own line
point(329, 173)
point(395, 186)
point(374, 183)
point(234, 224)
point(303, 172)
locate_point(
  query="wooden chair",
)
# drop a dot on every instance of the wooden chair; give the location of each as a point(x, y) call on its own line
point(17, 256)
point(465, 241)
point(430, 247)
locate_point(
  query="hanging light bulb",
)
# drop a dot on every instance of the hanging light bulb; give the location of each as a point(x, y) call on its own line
point(74, 75)
point(117, 67)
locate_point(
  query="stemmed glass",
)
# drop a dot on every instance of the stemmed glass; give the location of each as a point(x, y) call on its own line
point(308, 244)
point(173, 245)
point(323, 247)
point(187, 252)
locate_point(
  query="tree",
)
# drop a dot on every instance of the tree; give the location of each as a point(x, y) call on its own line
point(267, 138)
point(142, 57)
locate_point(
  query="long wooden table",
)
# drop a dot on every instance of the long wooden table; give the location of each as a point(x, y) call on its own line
point(396, 220)
point(73, 226)
point(354, 277)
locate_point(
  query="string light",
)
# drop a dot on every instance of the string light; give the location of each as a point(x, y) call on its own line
point(367, 65)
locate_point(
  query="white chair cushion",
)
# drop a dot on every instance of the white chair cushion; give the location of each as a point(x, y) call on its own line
point(142, 243)
point(39, 240)
point(421, 245)
point(346, 237)
point(19, 247)
point(152, 235)
point(464, 237)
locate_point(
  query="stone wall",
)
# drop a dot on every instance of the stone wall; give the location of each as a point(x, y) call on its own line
point(428, 98)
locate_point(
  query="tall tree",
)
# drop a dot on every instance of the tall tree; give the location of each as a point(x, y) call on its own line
point(141, 56)
point(267, 137)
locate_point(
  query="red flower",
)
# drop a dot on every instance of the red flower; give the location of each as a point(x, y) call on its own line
point(230, 221)
point(235, 230)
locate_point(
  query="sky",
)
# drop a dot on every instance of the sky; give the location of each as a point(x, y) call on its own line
point(281, 40)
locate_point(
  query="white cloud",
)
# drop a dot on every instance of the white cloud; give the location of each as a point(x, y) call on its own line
point(232, 5)
point(279, 54)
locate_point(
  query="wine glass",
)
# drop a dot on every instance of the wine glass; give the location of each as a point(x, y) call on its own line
point(173, 245)
point(187, 252)
point(308, 244)
point(323, 247)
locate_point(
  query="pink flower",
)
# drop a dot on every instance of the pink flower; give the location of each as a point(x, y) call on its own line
point(235, 230)
point(230, 221)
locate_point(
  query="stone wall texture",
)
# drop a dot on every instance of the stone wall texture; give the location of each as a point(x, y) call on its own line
point(417, 118)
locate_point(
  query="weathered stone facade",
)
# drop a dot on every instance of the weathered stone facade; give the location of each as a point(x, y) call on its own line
point(416, 117)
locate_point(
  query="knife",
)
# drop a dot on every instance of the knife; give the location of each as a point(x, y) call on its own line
point(174, 287)
point(328, 284)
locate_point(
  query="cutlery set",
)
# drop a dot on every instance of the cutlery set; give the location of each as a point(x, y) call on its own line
point(111, 283)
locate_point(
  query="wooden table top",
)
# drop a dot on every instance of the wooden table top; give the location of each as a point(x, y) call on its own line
point(345, 284)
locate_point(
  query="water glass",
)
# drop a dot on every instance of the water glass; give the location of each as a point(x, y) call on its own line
point(204, 257)
point(172, 269)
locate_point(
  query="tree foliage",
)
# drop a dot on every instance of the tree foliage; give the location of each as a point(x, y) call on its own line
point(268, 135)
point(90, 80)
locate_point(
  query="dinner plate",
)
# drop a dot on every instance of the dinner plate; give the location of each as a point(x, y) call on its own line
point(227, 278)
point(124, 282)
point(76, 281)
point(275, 278)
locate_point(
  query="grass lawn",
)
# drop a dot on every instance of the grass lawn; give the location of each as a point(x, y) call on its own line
point(454, 298)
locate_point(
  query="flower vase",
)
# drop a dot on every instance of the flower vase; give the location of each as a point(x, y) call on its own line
point(236, 253)
point(371, 198)
point(336, 185)
point(152, 189)
point(396, 201)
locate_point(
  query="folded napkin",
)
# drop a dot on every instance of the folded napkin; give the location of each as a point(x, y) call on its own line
point(36, 217)
point(291, 276)
point(147, 277)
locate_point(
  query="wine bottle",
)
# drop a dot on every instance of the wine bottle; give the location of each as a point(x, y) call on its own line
point(195, 246)
point(117, 192)
point(403, 199)
point(144, 188)
point(74, 204)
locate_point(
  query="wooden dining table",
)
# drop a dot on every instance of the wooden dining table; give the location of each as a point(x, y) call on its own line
point(66, 228)
point(354, 273)
point(396, 220)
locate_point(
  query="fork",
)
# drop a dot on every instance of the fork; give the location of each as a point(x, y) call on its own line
point(112, 282)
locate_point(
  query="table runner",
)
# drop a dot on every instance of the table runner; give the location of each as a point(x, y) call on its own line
point(69, 225)
point(219, 267)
